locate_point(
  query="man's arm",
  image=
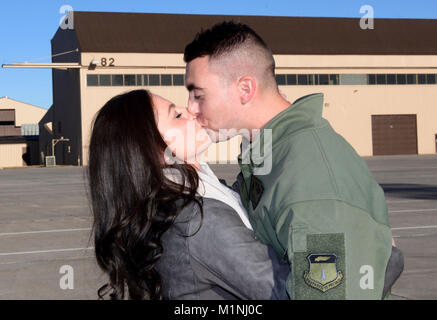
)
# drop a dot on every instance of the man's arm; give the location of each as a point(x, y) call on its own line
point(394, 269)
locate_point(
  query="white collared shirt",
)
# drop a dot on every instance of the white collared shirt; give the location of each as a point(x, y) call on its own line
point(211, 187)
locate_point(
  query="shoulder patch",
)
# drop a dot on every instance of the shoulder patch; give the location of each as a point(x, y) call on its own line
point(323, 274)
point(319, 272)
point(256, 191)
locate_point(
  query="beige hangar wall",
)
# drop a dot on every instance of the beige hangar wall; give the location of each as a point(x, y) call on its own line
point(347, 107)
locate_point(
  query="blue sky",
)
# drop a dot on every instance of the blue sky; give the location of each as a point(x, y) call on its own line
point(27, 26)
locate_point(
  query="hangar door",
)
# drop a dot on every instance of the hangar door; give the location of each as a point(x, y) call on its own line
point(394, 134)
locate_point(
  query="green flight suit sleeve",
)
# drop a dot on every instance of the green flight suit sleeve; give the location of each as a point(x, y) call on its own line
point(335, 250)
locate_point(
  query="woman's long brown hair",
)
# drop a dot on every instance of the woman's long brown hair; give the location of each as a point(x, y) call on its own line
point(133, 203)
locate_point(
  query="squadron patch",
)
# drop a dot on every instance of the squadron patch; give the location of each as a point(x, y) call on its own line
point(323, 274)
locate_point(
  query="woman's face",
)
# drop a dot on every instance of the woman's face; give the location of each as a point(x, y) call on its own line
point(181, 132)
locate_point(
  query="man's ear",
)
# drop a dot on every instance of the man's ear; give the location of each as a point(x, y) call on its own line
point(247, 87)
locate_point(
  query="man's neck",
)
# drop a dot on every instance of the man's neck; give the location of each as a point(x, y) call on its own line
point(266, 110)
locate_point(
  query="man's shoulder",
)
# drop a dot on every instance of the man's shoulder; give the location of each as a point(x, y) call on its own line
point(299, 169)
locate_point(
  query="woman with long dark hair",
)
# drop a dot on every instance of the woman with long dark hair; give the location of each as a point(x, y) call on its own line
point(164, 226)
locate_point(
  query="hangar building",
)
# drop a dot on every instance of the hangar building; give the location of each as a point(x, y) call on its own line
point(379, 84)
point(19, 133)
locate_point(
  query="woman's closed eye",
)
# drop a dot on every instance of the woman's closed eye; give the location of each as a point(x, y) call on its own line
point(181, 113)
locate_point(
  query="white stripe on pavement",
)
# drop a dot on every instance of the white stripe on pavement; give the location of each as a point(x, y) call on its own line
point(412, 210)
point(406, 201)
point(44, 251)
point(419, 227)
point(42, 231)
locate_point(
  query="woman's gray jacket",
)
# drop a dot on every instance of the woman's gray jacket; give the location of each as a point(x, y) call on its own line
point(220, 260)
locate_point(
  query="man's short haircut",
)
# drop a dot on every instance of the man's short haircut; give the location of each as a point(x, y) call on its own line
point(227, 37)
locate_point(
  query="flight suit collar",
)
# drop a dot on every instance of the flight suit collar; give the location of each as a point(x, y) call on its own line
point(305, 112)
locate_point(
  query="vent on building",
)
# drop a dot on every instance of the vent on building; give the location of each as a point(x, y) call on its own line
point(50, 161)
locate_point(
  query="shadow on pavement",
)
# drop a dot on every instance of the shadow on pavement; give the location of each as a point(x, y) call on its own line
point(410, 191)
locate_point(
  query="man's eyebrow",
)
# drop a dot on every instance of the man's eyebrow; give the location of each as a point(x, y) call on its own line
point(170, 106)
point(191, 87)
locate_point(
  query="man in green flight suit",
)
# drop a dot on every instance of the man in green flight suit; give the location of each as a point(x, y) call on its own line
point(307, 192)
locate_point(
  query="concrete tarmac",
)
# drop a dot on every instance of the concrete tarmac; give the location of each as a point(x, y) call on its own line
point(46, 251)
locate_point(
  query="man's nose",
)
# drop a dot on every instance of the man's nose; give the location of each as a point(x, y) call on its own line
point(193, 108)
